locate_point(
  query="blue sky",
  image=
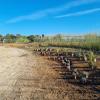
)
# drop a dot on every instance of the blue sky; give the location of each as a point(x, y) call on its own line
point(49, 16)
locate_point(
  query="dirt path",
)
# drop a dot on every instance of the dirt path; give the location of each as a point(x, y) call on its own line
point(24, 76)
point(27, 77)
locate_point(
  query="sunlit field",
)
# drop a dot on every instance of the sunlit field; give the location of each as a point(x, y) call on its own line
point(49, 49)
point(64, 64)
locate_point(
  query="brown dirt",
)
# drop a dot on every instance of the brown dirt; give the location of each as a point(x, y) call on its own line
point(24, 76)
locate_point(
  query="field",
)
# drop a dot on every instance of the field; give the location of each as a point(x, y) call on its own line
point(25, 74)
point(50, 50)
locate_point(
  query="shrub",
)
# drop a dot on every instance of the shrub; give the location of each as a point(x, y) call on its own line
point(91, 59)
point(22, 40)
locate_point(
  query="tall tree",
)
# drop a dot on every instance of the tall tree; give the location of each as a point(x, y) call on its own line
point(31, 38)
point(10, 38)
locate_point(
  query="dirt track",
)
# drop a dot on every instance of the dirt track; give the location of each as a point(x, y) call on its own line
point(24, 76)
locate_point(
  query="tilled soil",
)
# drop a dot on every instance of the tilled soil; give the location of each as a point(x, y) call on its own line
point(25, 76)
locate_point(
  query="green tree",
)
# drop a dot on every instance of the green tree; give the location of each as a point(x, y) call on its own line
point(31, 38)
point(1, 38)
point(10, 38)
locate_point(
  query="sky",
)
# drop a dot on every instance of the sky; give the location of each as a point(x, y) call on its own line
point(71, 17)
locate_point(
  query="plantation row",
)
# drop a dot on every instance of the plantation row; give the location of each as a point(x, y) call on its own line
point(65, 59)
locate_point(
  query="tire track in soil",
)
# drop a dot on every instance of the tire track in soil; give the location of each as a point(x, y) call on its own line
point(24, 76)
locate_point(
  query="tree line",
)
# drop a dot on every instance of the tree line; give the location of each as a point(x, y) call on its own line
point(18, 38)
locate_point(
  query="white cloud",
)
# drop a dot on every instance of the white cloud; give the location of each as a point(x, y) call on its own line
point(79, 13)
point(33, 16)
point(70, 5)
point(44, 13)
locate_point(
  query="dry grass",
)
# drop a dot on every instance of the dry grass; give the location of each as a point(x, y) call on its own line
point(20, 45)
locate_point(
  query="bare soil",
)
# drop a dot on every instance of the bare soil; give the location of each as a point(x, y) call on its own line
point(26, 76)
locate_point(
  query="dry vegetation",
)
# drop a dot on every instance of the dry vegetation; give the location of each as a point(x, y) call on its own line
point(29, 76)
point(89, 89)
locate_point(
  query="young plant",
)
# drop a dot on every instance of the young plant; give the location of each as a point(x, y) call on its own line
point(91, 60)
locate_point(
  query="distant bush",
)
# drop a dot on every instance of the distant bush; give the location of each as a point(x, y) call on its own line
point(9, 38)
point(22, 40)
